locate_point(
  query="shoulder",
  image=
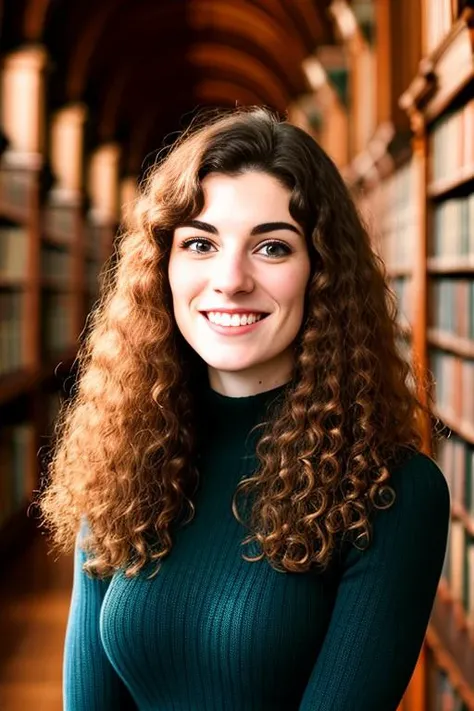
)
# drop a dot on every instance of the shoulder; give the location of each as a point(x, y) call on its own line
point(420, 513)
point(419, 482)
point(413, 530)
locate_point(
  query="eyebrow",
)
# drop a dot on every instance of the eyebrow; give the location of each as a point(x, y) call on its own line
point(262, 229)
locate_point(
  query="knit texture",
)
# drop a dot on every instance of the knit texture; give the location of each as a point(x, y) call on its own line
point(213, 632)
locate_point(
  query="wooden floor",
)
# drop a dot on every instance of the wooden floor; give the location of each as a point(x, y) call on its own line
point(34, 603)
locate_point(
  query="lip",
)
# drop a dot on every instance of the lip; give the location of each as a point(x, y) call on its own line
point(234, 311)
point(233, 330)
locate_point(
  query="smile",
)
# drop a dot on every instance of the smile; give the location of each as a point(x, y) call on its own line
point(233, 324)
point(233, 320)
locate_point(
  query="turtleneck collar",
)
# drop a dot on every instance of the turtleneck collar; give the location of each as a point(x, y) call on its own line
point(225, 413)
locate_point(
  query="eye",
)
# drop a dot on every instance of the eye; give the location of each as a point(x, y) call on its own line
point(282, 249)
point(186, 244)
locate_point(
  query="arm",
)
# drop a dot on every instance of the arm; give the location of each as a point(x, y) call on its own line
point(90, 683)
point(384, 599)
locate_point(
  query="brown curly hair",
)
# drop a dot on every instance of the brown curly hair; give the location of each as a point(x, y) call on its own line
point(124, 445)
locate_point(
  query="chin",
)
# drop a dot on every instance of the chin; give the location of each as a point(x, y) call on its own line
point(230, 362)
point(229, 367)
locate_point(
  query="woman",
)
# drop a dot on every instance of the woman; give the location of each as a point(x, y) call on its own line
point(241, 376)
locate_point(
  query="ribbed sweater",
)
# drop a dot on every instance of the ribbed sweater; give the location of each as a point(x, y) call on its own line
point(213, 632)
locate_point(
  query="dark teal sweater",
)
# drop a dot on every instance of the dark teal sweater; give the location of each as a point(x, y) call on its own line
point(212, 632)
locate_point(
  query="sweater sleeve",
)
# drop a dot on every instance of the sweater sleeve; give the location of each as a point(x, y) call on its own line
point(384, 599)
point(90, 683)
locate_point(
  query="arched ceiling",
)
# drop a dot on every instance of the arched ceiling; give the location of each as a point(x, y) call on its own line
point(143, 66)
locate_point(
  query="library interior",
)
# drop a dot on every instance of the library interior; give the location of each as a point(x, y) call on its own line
point(91, 93)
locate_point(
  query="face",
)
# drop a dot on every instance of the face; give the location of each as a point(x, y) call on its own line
point(238, 273)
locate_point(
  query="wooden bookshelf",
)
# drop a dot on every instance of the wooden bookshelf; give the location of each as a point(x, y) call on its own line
point(25, 361)
point(451, 265)
point(442, 187)
point(416, 193)
point(463, 347)
point(438, 102)
point(52, 249)
point(452, 646)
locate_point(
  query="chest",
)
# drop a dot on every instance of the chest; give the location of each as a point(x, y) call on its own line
point(209, 614)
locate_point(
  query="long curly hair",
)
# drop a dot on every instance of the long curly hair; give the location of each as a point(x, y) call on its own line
point(124, 444)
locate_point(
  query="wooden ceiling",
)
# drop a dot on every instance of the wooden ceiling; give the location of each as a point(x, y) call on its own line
point(144, 67)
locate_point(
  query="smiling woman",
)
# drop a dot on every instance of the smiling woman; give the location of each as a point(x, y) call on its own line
point(241, 376)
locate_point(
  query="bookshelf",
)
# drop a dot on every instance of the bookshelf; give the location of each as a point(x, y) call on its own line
point(39, 322)
point(439, 103)
point(54, 241)
point(413, 180)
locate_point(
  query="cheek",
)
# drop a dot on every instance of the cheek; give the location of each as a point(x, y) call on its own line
point(182, 281)
point(290, 289)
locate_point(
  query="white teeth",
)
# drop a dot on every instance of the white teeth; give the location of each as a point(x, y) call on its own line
point(223, 319)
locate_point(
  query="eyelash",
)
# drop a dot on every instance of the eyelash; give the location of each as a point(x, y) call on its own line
point(187, 242)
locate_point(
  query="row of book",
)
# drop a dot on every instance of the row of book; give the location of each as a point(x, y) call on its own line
point(452, 232)
point(394, 214)
point(56, 263)
point(56, 327)
point(56, 266)
point(13, 252)
point(454, 384)
point(452, 143)
point(458, 569)
point(16, 463)
point(12, 307)
point(402, 287)
point(56, 323)
point(59, 222)
point(65, 223)
point(16, 188)
point(455, 457)
point(451, 302)
point(94, 240)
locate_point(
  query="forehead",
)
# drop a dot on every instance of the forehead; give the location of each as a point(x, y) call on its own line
point(244, 196)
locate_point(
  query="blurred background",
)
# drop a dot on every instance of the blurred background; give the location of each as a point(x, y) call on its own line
point(90, 93)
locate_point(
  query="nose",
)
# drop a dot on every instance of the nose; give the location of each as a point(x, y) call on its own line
point(231, 273)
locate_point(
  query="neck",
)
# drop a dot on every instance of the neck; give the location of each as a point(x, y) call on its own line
point(245, 383)
point(224, 418)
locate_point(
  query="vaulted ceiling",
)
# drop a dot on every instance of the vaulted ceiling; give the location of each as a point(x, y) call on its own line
point(143, 67)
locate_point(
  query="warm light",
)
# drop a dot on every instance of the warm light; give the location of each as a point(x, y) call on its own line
point(67, 128)
point(22, 110)
point(104, 183)
point(314, 72)
point(345, 18)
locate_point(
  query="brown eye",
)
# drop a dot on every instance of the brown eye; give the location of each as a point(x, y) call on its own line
point(276, 249)
point(196, 241)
